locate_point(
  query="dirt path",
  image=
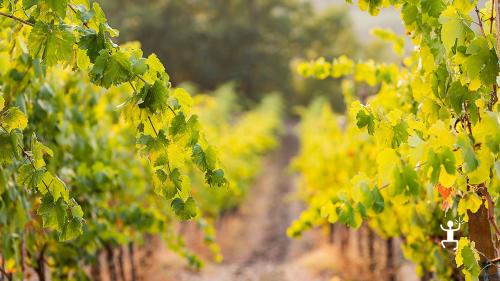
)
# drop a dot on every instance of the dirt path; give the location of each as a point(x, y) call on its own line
point(253, 240)
point(254, 243)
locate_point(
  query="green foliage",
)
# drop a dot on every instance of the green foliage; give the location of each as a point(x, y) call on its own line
point(413, 155)
point(155, 99)
point(111, 69)
point(184, 209)
point(242, 145)
point(13, 118)
point(77, 174)
point(365, 120)
point(53, 42)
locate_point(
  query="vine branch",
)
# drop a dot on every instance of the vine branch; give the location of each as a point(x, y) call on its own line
point(76, 12)
point(493, 95)
point(480, 21)
point(154, 129)
point(16, 18)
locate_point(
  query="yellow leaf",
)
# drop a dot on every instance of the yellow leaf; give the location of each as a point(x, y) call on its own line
point(475, 84)
point(387, 160)
point(471, 202)
point(14, 119)
point(446, 179)
point(82, 60)
point(482, 173)
point(184, 99)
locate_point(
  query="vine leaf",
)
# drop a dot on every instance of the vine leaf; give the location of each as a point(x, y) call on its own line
point(54, 42)
point(185, 210)
point(53, 213)
point(14, 118)
point(454, 29)
point(111, 69)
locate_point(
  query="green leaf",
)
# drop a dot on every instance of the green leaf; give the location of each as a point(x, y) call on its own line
point(175, 177)
point(349, 216)
point(146, 140)
point(198, 157)
point(53, 42)
point(185, 210)
point(400, 134)
point(155, 97)
point(161, 160)
point(156, 144)
point(411, 179)
point(470, 262)
point(58, 6)
point(39, 151)
point(54, 186)
point(367, 120)
point(93, 42)
point(469, 157)
point(433, 7)
point(216, 178)
point(468, 257)
point(362, 211)
point(193, 128)
point(365, 194)
point(53, 213)
point(457, 94)
point(482, 62)
point(162, 175)
point(14, 118)
point(409, 13)
point(83, 14)
point(448, 161)
point(399, 183)
point(7, 150)
point(434, 163)
point(211, 157)
point(99, 15)
point(139, 66)
point(178, 124)
point(169, 191)
point(72, 229)
point(378, 201)
point(76, 209)
point(111, 69)
point(28, 176)
point(405, 181)
point(454, 28)
point(29, 3)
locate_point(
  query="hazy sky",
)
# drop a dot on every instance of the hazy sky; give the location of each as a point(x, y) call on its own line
point(388, 18)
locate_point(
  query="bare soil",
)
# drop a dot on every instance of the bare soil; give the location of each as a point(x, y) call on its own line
point(254, 242)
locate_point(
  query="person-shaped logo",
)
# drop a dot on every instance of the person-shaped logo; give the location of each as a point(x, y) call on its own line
point(450, 234)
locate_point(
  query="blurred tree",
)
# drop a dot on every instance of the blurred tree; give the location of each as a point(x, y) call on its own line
point(251, 42)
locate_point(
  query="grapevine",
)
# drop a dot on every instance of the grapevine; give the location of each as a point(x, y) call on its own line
point(68, 189)
point(423, 149)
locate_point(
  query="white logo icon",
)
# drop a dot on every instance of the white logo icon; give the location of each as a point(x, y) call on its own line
point(450, 231)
